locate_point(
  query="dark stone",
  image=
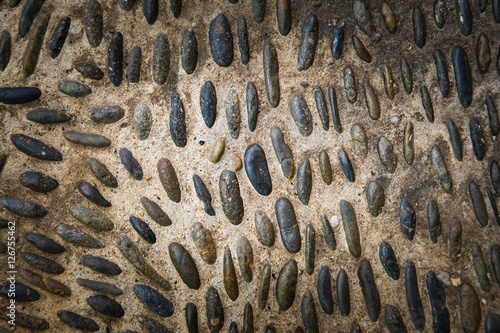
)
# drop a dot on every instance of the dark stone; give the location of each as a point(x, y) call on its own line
point(388, 260)
point(30, 12)
point(478, 204)
point(204, 242)
point(5, 49)
point(387, 155)
point(304, 181)
point(495, 4)
point(390, 88)
point(351, 229)
point(492, 323)
point(477, 138)
point(19, 95)
point(107, 114)
point(406, 75)
point(161, 59)
point(408, 143)
point(38, 182)
point(345, 162)
point(495, 261)
point(389, 17)
point(394, 320)
point(56, 43)
point(35, 148)
point(455, 242)
point(76, 321)
point(271, 71)
point(102, 173)
point(413, 297)
point(343, 294)
point(42, 263)
point(100, 287)
point(74, 88)
point(328, 234)
point(47, 116)
point(221, 41)
point(229, 275)
point(208, 103)
point(92, 193)
point(245, 258)
point(27, 321)
point(332, 96)
point(101, 265)
point(44, 243)
point(215, 310)
point(492, 116)
point(189, 51)
point(325, 167)
point(22, 207)
point(361, 50)
point(483, 53)
point(154, 300)
point(87, 139)
point(232, 203)
point(437, 297)
point(77, 236)
point(470, 308)
point(233, 327)
point(440, 170)
point(126, 5)
point(259, 10)
point(203, 194)
point(284, 153)
point(47, 284)
point(242, 32)
point(442, 73)
point(455, 139)
point(22, 293)
point(178, 121)
point(310, 248)
point(464, 16)
point(286, 285)
point(89, 71)
point(480, 267)
point(324, 288)
point(463, 75)
point(408, 219)
point(319, 97)
point(115, 59)
point(494, 207)
point(264, 228)
point(252, 106)
point(168, 179)
point(150, 10)
point(337, 42)
point(185, 265)
point(434, 220)
point(92, 218)
point(309, 316)
point(440, 13)
point(32, 51)
point(151, 325)
point(419, 33)
point(350, 85)
point(364, 18)
point(495, 176)
point(176, 7)
point(372, 102)
point(427, 103)
point(191, 313)
point(93, 23)
point(309, 41)
point(134, 65)
point(131, 164)
point(369, 289)
point(284, 16)
point(287, 222)
point(248, 324)
point(257, 169)
point(263, 293)
point(233, 114)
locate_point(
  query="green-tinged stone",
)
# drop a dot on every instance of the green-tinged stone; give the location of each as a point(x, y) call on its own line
point(168, 179)
point(217, 150)
point(32, 51)
point(286, 285)
point(161, 59)
point(301, 114)
point(310, 248)
point(406, 75)
point(309, 316)
point(408, 144)
point(328, 234)
point(304, 181)
point(439, 169)
point(185, 265)
point(264, 228)
point(143, 121)
point(325, 167)
point(232, 203)
point(74, 88)
point(77, 236)
point(359, 140)
point(470, 309)
point(271, 72)
point(283, 152)
point(480, 267)
point(245, 258)
point(350, 228)
point(265, 283)
point(92, 218)
point(102, 173)
point(229, 275)
point(375, 197)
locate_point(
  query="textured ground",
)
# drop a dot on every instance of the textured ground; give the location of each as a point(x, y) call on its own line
point(414, 183)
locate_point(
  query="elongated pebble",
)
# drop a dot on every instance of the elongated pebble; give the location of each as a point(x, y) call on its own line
point(27, 321)
point(463, 76)
point(324, 289)
point(151, 325)
point(208, 103)
point(161, 59)
point(493, 205)
point(372, 102)
point(38, 182)
point(22, 207)
point(101, 265)
point(214, 310)
point(309, 315)
point(464, 16)
point(337, 42)
point(89, 71)
point(74, 88)
point(229, 275)
point(434, 221)
point(495, 261)
point(480, 267)
point(345, 162)
point(319, 97)
point(363, 17)
point(388, 260)
point(359, 140)
point(389, 17)
point(287, 222)
point(343, 293)
point(259, 10)
point(168, 179)
point(93, 22)
point(419, 29)
point(150, 10)
point(102, 173)
point(492, 322)
point(76, 236)
point(76, 321)
point(203, 194)
point(242, 33)
point(325, 167)
point(309, 41)
point(495, 176)
point(477, 138)
point(483, 53)
point(455, 138)
point(154, 300)
point(264, 285)
point(44, 243)
point(440, 13)
point(286, 285)
point(407, 219)
point(189, 51)
point(28, 15)
point(332, 97)
point(328, 234)
point(386, 154)
point(310, 248)
point(100, 287)
point(442, 73)
point(455, 241)
point(351, 229)
point(106, 306)
point(115, 59)
point(494, 121)
point(232, 203)
point(58, 38)
point(271, 72)
point(92, 218)
point(131, 164)
point(19, 95)
point(47, 116)
point(134, 65)
point(369, 289)
point(5, 49)
point(361, 50)
point(375, 198)
point(245, 258)
point(126, 5)
point(437, 297)
point(42, 263)
point(221, 41)
point(350, 85)
point(478, 204)
point(283, 152)
point(191, 314)
point(185, 265)
point(427, 103)
point(22, 293)
point(408, 143)
point(178, 121)
point(204, 242)
point(389, 85)
point(304, 181)
point(107, 114)
point(284, 16)
point(233, 114)
point(252, 105)
point(440, 170)
point(143, 121)
point(406, 75)
point(32, 51)
point(470, 309)
point(264, 228)
point(143, 229)
point(413, 297)
point(176, 7)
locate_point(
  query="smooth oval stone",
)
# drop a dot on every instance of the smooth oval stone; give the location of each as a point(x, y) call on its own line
point(286, 285)
point(455, 139)
point(478, 204)
point(208, 103)
point(359, 140)
point(284, 16)
point(233, 114)
point(132, 253)
point(89, 71)
point(345, 162)
point(22, 293)
point(185, 265)
point(100, 287)
point(143, 121)
point(263, 292)
point(495, 176)
point(463, 76)
point(92, 218)
point(337, 42)
point(101, 265)
point(150, 10)
point(394, 320)
point(42, 263)
point(38, 182)
point(44, 243)
point(304, 181)
point(406, 75)
point(134, 65)
point(252, 106)
point(301, 114)
point(232, 203)
point(364, 18)
point(319, 97)
point(343, 294)
point(204, 242)
point(22, 207)
point(126, 5)
point(389, 85)
point(496, 11)
point(440, 170)
point(351, 230)
point(203, 194)
point(493, 205)
point(369, 289)
point(419, 33)
point(427, 103)
point(107, 114)
point(152, 325)
point(5, 49)
point(47, 284)
point(324, 288)
point(351, 92)
point(310, 248)
point(386, 154)
point(271, 72)
point(493, 116)
point(495, 261)
point(372, 102)
point(388, 260)
point(229, 275)
point(47, 116)
point(442, 73)
point(287, 222)
point(325, 167)
point(440, 13)
point(309, 316)
point(106, 305)
point(242, 33)
point(477, 139)
point(464, 16)
point(87, 139)
point(189, 51)
point(178, 121)
point(76, 321)
point(434, 220)
point(161, 59)
point(455, 242)
point(74, 88)
point(407, 219)
point(77, 236)
point(143, 229)
point(27, 321)
point(248, 324)
point(492, 323)
point(168, 179)
point(221, 41)
point(3, 161)
point(309, 41)
point(92, 193)
point(259, 10)
point(191, 313)
point(328, 234)
point(413, 297)
point(176, 7)
point(437, 297)
point(470, 308)
point(332, 96)
point(93, 23)
point(115, 59)
point(408, 143)
point(102, 173)
point(257, 169)
point(154, 300)
point(389, 17)
point(32, 50)
point(480, 267)
point(245, 258)
point(29, 13)
point(215, 310)
point(483, 53)
point(264, 228)
point(58, 38)
point(283, 152)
